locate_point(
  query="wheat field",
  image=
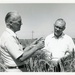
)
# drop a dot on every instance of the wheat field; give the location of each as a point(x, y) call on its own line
point(40, 61)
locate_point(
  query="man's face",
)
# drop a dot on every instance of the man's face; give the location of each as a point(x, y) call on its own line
point(58, 28)
point(17, 25)
point(14, 21)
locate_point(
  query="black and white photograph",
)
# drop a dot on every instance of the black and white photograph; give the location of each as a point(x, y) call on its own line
point(37, 37)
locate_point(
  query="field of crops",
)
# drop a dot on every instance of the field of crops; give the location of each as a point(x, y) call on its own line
point(40, 61)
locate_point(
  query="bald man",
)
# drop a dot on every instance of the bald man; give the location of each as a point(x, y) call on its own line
point(58, 43)
point(12, 52)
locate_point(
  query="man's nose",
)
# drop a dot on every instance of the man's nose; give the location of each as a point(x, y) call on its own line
point(21, 23)
point(57, 29)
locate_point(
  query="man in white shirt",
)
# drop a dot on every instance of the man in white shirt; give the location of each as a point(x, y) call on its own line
point(12, 52)
point(58, 43)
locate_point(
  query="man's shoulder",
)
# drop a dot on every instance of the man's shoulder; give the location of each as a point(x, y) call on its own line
point(50, 36)
point(68, 38)
point(5, 35)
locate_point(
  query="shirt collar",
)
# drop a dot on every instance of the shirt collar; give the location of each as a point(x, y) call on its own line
point(59, 37)
point(11, 32)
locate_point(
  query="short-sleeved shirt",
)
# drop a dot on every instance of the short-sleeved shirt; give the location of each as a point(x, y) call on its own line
point(58, 46)
point(11, 49)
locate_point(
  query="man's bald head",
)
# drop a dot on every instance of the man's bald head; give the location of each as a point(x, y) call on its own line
point(60, 22)
point(13, 21)
point(12, 16)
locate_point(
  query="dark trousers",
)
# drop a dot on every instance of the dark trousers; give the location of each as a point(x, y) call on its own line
point(57, 68)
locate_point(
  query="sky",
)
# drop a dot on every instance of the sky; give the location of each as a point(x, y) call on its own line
point(39, 18)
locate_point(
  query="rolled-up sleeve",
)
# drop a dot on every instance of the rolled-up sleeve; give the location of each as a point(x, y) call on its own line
point(13, 48)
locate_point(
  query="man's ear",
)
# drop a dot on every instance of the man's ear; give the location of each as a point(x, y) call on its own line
point(9, 23)
point(63, 28)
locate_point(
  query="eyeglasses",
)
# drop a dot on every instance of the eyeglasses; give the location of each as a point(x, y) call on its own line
point(58, 27)
point(16, 22)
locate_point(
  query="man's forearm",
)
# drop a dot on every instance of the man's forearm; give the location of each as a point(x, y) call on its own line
point(28, 48)
point(28, 53)
point(33, 44)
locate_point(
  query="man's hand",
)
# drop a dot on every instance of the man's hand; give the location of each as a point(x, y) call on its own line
point(36, 41)
point(40, 44)
point(67, 53)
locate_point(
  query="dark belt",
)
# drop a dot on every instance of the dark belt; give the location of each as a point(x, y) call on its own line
point(12, 67)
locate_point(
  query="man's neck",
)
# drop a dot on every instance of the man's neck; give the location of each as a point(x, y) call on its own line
point(11, 29)
point(57, 37)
